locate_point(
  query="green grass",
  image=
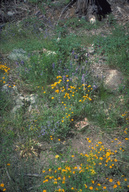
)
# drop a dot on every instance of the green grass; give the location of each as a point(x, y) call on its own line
point(37, 150)
point(115, 47)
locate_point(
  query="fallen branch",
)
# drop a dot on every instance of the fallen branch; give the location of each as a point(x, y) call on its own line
point(32, 175)
point(63, 11)
point(8, 174)
point(33, 187)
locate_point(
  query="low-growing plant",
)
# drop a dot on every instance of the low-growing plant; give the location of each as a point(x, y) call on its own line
point(38, 69)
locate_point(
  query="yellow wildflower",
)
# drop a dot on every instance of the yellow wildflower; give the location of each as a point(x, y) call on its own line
point(91, 188)
point(111, 180)
point(2, 184)
point(114, 186)
point(118, 182)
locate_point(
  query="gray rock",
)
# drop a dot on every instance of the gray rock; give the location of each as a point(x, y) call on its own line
point(58, 39)
point(31, 98)
point(10, 13)
point(92, 20)
point(40, 29)
point(14, 110)
point(20, 100)
point(113, 79)
point(18, 54)
point(91, 49)
point(28, 102)
point(10, 91)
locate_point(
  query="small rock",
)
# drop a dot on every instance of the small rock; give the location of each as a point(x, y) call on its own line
point(40, 29)
point(113, 79)
point(91, 49)
point(14, 110)
point(30, 98)
point(10, 14)
point(92, 19)
point(18, 54)
point(20, 101)
point(81, 125)
point(58, 39)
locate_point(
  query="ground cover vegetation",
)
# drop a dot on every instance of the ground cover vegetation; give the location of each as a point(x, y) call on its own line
point(67, 93)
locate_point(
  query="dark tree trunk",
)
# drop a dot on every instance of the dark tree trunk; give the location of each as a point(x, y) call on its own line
point(92, 7)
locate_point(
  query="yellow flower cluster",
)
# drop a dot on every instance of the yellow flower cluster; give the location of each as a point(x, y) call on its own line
point(124, 114)
point(2, 185)
point(98, 155)
point(57, 82)
point(71, 89)
point(67, 95)
point(5, 69)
